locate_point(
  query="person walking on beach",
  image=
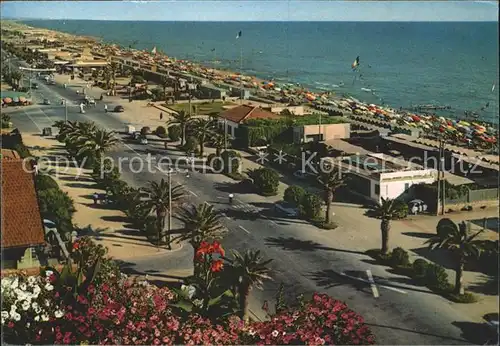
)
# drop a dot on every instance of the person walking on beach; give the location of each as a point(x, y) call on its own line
point(161, 115)
point(95, 197)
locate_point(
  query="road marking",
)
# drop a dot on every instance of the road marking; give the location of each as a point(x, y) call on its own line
point(393, 289)
point(32, 120)
point(227, 217)
point(367, 281)
point(50, 120)
point(191, 192)
point(265, 217)
point(372, 284)
point(243, 228)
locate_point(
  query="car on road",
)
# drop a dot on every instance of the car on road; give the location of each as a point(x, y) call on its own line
point(46, 101)
point(51, 82)
point(118, 109)
point(286, 209)
point(34, 86)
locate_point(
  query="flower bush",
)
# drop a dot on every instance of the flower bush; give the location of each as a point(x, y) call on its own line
point(124, 311)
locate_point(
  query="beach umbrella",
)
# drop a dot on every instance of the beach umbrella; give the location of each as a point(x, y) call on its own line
point(415, 118)
point(22, 99)
point(7, 100)
point(15, 99)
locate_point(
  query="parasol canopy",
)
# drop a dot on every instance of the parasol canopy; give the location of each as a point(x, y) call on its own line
point(7, 100)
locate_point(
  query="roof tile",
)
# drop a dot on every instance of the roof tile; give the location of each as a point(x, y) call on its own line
point(21, 219)
point(245, 112)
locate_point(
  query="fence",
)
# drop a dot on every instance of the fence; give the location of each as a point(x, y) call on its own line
point(475, 196)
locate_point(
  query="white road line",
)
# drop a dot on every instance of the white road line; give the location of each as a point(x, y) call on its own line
point(191, 192)
point(243, 229)
point(372, 283)
point(227, 217)
point(265, 217)
point(50, 120)
point(33, 121)
point(393, 289)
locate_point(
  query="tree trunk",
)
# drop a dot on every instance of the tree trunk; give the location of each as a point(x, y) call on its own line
point(160, 221)
point(385, 228)
point(183, 138)
point(459, 288)
point(202, 145)
point(217, 151)
point(328, 207)
point(244, 292)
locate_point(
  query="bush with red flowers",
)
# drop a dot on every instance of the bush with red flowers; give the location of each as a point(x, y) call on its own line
point(130, 312)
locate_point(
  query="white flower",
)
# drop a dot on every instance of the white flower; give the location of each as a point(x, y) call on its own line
point(275, 333)
point(58, 313)
point(47, 302)
point(23, 286)
point(251, 332)
point(38, 310)
point(31, 280)
point(34, 305)
point(28, 325)
point(37, 318)
point(36, 289)
point(45, 317)
point(48, 273)
point(26, 305)
point(13, 308)
point(16, 317)
point(198, 302)
point(14, 283)
point(49, 287)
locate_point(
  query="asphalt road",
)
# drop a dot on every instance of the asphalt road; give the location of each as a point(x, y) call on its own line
point(398, 312)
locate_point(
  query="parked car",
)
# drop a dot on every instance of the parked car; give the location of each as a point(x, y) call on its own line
point(119, 109)
point(34, 85)
point(286, 209)
point(46, 101)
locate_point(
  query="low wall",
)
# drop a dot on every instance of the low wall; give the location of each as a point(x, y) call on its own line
point(475, 205)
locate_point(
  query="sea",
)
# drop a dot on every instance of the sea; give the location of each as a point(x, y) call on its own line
point(401, 64)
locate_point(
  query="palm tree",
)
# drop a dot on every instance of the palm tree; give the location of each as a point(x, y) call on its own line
point(182, 119)
point(330, 182)
point(202, 129)
point(113, 68)
point(158, 202)
point(462, 245)
point(202, 222)
point(250, 270)
point(98, 143)
point(106, 76)
point(219, 141)
point(16, 77)
point(164, 83)
point(387, 210)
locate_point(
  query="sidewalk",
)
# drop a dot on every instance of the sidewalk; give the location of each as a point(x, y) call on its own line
point(106, 226)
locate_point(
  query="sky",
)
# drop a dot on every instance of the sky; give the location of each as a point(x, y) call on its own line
point(262, 10)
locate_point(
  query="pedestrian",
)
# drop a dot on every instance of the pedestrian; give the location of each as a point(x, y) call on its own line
point(95, 197)
point(105, 108)
point(161, 115)
point(65, 85)
point(78, 92)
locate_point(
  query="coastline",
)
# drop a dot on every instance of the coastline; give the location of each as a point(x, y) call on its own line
point(309, 97)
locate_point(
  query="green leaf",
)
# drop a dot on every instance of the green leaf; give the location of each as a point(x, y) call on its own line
point(184, 305)
point(217, 299)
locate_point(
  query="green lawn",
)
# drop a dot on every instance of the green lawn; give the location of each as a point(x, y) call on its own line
point(205, 108)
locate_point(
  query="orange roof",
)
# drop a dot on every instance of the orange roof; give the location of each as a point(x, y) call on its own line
point(245, 112)
point(21, 219)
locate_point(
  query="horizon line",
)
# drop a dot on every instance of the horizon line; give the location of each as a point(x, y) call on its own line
point(254, 21)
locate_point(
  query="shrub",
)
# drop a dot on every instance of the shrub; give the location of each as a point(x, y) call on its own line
point(266, 180)
point(22, 150)
point(294, 194)
point(161, 131)
point(137, 79)
point(6, 121)
point(420, 268)
point(231, 161)
point(400, 257)
point(145, 130)
point(191, 145)
point(106, 174)
point(436, 277)
point(58, 207)
point(311, 206)
point(402, 208)
point(212, 162)
point(466, 298)
point(45, 182)
point(174, 133)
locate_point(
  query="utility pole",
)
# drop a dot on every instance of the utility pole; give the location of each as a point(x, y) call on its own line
point(319, 128)
point(169, 204)
point(66, 111)
point(440, 179)
point(225, 134)
point(241, 74)
point(443, 190)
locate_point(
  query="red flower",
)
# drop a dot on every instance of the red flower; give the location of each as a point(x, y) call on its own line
point(217, 248)
point(76, 246)
point(217, 266)
point(11, 324)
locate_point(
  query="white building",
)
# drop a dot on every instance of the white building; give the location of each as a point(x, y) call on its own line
point(380, 176)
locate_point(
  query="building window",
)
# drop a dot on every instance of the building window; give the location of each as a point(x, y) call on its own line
point(377, 189)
